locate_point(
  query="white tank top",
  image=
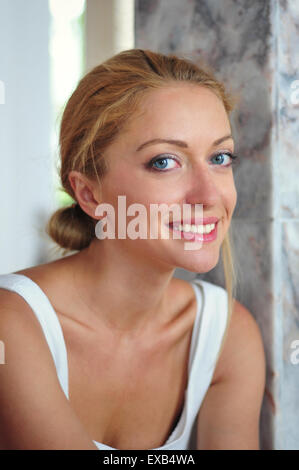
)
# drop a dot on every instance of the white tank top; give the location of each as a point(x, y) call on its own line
point(207, 334)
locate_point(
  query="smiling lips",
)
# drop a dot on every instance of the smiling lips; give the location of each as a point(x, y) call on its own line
point(198, 220)
point(199, 229)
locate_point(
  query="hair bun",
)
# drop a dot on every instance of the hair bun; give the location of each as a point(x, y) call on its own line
point(71, 228)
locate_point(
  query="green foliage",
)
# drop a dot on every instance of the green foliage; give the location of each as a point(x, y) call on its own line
point(63, 198)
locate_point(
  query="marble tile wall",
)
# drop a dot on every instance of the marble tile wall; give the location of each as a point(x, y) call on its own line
point(253, 47)
point(287, 185)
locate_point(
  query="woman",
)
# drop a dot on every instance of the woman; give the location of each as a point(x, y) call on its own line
point(105, 348)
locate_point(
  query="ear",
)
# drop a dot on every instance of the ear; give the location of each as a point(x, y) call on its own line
point(86, 193)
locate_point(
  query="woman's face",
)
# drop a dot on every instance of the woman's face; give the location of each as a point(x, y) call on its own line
point(180, 125)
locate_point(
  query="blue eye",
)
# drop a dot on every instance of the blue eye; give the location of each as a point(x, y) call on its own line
point(223, 157)
point(162, 163)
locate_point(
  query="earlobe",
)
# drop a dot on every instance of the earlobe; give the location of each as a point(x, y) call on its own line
point(88, 204)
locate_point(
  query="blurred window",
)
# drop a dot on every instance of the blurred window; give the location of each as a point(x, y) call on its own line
point(67, 65)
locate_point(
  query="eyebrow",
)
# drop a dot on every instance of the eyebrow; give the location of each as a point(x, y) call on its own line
point(178, 143)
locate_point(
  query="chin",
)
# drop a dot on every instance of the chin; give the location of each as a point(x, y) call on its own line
point(200, 264)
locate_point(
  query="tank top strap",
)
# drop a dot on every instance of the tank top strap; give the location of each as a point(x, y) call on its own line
point(214, 320)
point(47, 317)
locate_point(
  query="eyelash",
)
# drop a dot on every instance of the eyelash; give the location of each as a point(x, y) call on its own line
point(150, 164)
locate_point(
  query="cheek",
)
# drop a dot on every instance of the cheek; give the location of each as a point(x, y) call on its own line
point(231, 198)
point(235, 195)
point(140, 187)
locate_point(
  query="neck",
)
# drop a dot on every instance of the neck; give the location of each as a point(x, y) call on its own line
point(126, 292)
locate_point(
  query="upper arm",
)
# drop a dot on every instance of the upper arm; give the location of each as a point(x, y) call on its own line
point(34, 411)
point(230, 412)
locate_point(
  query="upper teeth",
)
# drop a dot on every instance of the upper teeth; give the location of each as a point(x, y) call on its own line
point(195, 228)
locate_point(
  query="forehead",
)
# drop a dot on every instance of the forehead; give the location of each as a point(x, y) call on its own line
point(182, 109)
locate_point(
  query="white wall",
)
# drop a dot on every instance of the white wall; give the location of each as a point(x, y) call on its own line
point(25, 119)
point(26, 185)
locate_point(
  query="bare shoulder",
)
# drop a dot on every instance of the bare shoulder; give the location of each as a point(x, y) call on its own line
point(243, 344)
point(40, 270)
point(10, 302)
point(19, 326)
point(34, 411)
point(230, 412)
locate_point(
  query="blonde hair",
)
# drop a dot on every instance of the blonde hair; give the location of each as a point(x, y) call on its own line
point(97, 111)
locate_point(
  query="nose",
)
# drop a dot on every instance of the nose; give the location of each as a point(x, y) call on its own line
point(203, 187)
